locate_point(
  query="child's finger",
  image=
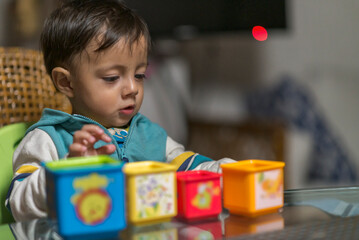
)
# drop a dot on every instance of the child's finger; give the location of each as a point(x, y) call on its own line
point(84, 137)
point(93, 129)
point(97, 132)
point(106, 138)
point(77, 150)
point(107, 149)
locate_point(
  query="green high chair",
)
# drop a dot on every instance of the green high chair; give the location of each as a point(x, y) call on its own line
point(10, 136)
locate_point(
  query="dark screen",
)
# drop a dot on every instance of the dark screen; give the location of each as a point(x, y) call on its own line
point(164, 17)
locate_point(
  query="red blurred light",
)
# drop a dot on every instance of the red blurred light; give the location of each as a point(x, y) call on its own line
point(259, 33)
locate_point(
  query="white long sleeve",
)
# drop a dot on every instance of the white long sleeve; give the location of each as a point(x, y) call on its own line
point(28, 197)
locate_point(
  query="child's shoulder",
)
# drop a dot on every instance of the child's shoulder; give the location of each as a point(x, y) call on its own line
point(36, 145)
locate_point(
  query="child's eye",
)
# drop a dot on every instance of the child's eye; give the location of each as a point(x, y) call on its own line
point(140, 76)
point(110, 79)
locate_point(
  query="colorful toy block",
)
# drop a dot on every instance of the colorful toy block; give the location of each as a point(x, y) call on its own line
point(253, 187)
point(86, 195)
point(151, 192)
point(199, 194)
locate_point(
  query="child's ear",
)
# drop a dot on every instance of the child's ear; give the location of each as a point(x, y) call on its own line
point(62, 80)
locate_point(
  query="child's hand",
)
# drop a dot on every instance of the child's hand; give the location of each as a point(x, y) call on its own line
point(85, 139)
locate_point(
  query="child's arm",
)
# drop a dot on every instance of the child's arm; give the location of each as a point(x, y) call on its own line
point(214, 166)
point(187, 160)
point(27, 194)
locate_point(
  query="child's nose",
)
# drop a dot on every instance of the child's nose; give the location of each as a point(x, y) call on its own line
point(130, 87)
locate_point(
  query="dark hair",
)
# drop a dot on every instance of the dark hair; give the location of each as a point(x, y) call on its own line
point(71, 27)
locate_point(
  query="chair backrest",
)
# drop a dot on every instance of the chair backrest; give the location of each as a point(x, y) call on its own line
point(25, 87)
point(10, 136)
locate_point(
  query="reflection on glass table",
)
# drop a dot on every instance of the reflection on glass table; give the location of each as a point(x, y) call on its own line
point(331, 213)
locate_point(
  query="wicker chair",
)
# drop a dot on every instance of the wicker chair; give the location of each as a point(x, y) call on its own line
point(25, 87)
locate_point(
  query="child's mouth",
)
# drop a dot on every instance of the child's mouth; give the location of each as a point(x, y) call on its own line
point(127, 110)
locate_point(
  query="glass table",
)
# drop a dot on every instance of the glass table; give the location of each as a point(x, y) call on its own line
point(323, 213)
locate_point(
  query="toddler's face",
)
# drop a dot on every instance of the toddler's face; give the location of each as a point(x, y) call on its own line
point(108, 86)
